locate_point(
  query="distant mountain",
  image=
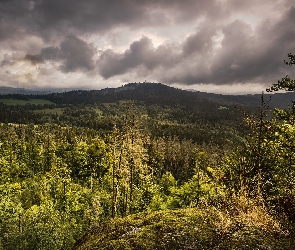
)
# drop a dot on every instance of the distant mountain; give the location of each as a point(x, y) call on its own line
point(162, 94)
point(23, 91)
point(275, 100)
point(9, 90)
point(153, 93)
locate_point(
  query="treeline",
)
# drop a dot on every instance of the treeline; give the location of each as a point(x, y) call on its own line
point(218, 128)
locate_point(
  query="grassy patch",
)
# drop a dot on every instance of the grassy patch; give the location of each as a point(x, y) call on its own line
point(58, 111)
point(221, 107)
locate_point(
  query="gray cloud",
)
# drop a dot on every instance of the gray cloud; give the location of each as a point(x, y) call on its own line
point(140, 53)
point(55, 17)
point(184, 62)
point(237, 47)
point(245, 54)
point(34, 59)
point(74, 54)
point(111, 63)
point(7, 30)
point(200, 42)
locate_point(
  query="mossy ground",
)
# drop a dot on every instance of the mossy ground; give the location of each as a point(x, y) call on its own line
point(249, 227)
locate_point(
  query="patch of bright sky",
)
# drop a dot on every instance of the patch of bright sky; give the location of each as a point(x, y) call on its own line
point(30, 44)
point(11, 55)
point(262, 11)
point(236, 89)
point(217, 40)
point(25, 74)
point(251, 19)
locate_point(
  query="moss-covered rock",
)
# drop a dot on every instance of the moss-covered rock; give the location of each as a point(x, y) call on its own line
point(193, 228)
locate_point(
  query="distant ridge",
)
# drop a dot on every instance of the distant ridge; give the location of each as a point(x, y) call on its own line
point(149, 92)
point(22, 91)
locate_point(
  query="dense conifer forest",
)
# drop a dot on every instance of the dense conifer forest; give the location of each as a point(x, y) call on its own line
point(146, 166)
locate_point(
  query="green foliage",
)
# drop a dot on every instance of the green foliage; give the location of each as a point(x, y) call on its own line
point(286, 83)
point(166, 182)
point(58, 181)
point(172, 155)
point(265, 164)
point(130, 172)
point(202, 188)
point(47, 228)
point(10, 211)
point(42, 206)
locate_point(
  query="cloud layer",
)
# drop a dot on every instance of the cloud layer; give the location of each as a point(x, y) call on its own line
point(107, 43)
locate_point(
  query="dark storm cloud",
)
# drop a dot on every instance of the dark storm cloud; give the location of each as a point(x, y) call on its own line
point(248, 54)
point(75, 15)
point(237, 48)
point(111, 63)
point(15, 18)
point(200, 42)
point(7, 30)
point(76, 54)
point(55, 17)
point(73, 53)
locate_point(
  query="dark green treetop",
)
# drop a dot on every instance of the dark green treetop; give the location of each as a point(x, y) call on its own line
point(286, 83)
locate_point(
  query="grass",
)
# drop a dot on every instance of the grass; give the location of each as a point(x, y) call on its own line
point(58, 111)
point(24, 102)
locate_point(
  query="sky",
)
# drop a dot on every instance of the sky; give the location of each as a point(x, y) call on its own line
point(217, 46)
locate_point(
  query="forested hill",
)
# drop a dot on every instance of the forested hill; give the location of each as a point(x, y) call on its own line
point(169, 111)
point(150, 93)
point(162, 94)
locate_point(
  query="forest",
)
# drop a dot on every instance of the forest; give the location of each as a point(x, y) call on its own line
point(147, 166)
